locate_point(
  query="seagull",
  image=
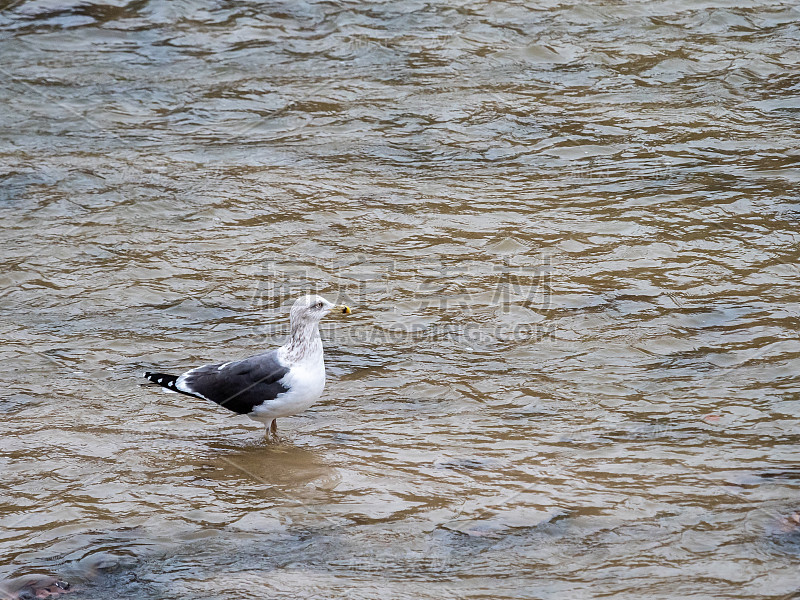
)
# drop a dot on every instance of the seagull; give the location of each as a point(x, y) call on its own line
point(265, 387)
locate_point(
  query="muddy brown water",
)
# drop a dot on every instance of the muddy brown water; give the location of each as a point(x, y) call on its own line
point(569, 233)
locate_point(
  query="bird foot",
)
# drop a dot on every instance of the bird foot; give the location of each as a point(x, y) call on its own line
point(271, 434)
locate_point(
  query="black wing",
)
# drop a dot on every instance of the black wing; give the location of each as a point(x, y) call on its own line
point(239, 386)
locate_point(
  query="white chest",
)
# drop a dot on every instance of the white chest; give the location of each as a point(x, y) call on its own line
point(305, 381)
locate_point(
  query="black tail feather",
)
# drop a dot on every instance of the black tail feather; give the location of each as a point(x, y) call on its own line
point(168, 381)
point(164, 380)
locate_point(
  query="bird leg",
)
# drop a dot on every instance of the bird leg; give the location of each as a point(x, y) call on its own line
point(271, 433)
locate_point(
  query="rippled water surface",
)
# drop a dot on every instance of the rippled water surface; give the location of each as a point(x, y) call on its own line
point(569, 235)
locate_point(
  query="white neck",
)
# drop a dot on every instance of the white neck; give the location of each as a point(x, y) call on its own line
point(304, 343)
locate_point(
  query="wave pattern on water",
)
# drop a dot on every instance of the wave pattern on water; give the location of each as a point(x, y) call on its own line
point(569, 232)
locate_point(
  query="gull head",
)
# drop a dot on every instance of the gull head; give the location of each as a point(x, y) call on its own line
point(311, 308)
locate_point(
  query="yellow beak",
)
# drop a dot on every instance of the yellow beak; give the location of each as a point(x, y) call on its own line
point(341, 309)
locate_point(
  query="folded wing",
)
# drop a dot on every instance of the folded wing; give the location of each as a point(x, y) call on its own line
point(239, 386)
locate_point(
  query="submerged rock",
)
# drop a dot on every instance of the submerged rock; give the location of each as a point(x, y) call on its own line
point(503, 523)
point(34, 587)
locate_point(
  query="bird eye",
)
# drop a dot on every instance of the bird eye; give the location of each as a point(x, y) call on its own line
point(319, 304)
